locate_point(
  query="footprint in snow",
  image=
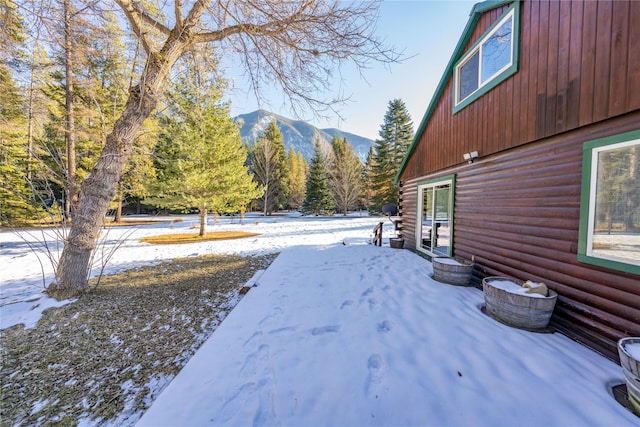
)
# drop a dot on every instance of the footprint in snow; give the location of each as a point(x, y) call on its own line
point(247, 344)
point(345, 304)
point(236, 402)
point(367, 292)
point(269, 318)
point(282, 330)
point(254, 360)
point(325, 330)
point(385, 326)
point(376, 373)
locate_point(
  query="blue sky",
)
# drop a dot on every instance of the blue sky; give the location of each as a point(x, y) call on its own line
point(426, 30)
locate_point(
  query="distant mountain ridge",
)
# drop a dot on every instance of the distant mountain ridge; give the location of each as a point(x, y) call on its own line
point(298, 134)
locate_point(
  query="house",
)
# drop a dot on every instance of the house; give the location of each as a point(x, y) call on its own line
point(527, 160)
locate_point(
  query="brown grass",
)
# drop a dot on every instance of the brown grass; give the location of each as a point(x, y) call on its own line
point(106, 356)
point(195, 238)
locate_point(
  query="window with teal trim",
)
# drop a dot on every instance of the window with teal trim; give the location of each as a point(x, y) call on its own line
point(610, 204)
point(490, 60)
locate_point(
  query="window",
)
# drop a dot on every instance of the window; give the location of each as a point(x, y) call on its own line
point(490, 60)
point(610, 203)
point(434, 229)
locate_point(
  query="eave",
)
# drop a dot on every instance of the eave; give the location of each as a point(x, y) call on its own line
point(474, 17)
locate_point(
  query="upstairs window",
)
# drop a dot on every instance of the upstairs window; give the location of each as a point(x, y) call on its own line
point(490, 60)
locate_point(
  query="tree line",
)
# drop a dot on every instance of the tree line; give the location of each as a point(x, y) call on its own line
point(94, 96)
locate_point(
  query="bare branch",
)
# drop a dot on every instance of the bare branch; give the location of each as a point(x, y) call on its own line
point(298, 44)
point(178, 12)
point(134, 18)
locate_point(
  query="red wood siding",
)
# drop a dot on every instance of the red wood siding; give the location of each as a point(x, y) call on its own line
point(516, 213)
point(579, 64)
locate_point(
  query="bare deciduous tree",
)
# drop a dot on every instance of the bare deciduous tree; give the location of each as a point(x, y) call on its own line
point(296, 44)
point(345, 175)
point(263, 165)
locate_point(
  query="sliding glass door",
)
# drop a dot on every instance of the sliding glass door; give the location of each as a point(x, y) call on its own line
point(435, 217)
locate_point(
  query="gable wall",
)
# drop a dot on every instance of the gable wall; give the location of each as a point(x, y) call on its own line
point(579, 64)
point(517, 207)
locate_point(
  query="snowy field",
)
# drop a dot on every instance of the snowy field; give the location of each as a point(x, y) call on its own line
point(21, 270)
point(351, 335)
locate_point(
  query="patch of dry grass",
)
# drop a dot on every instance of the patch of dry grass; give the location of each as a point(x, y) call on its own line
point(106, 356)
point(195, 238)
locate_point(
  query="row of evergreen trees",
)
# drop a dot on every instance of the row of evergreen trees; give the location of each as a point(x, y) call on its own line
point(335, 179)
point(189, 155)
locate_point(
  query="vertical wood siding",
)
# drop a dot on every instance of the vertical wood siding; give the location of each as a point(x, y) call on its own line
point(516, 213)
point(579, 64)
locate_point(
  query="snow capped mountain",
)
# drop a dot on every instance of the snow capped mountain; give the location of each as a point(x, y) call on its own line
point(298, 134)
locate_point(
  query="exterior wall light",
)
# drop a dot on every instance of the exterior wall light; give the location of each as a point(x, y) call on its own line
point(470, 157)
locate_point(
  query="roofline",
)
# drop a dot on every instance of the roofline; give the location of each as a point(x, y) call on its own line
point(477, 10)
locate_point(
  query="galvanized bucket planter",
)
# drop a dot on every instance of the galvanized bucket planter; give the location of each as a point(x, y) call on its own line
point(452, 270)
point(396, 242)
point(629, 351)
point(517, 308)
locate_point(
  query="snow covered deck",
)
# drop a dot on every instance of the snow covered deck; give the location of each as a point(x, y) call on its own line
point(338, 335)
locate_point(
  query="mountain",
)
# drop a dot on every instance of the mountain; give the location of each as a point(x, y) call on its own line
point(298, 134)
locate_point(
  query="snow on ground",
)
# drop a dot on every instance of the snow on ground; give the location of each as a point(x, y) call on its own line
point(362, 336)
point(22, 270)
point(355, 335)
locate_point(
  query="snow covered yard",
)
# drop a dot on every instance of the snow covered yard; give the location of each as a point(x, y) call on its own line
point(21, 270)
point(362, 336)
point(341, 335)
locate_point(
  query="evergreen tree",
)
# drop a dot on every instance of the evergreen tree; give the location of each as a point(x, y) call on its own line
point(87, 88)
point(398, 130)
point(381, 175)
point(297, 178)
point(205, 169)
point(15, 194)
point(139, 173)
point(396, 135)
point(345, 175)
point(318, 197)
point(270, 168)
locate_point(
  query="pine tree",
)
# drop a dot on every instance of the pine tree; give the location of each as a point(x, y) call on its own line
point(270, 168)
point(381, 175)
point(297, 178)
point(397, 129)
point(345, 175)
point(206, 166)
point(139, 173)
point(396, 136)
point(318, 197)
point(15, 195)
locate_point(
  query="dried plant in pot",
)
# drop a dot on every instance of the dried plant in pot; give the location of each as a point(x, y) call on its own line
point(525, 305)
point(629, 351)
point(452, 270)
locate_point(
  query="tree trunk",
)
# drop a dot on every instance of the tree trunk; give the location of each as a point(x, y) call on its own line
point(30, 126)
point(203, 220)
point(70, 132)
point(118, 216)
point(266, 198)
point(99, 188)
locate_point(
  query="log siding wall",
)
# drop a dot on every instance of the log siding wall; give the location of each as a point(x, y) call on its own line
point(516, 214)
point(517, 207)
point(579, 64)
